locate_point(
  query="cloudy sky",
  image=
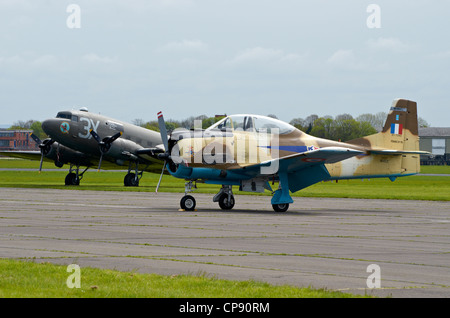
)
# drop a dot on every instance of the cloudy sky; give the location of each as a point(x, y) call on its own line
point(132, 58)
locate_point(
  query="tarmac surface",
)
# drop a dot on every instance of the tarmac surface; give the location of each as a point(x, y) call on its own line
point(318, 242)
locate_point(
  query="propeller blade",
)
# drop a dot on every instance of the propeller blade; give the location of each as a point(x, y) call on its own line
point(44, 146)
point(95, 135)
point(42, 159)
point(163, 131)
point(160, 178)
point(113, 138)
point(100, 162)
point(35, 138)
point(104, 145)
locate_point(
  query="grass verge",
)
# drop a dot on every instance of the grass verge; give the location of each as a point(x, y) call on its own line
point(434, 188)
point(20, 279)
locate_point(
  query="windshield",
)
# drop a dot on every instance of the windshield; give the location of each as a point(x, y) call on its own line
point(66, 115)
point(253, 123)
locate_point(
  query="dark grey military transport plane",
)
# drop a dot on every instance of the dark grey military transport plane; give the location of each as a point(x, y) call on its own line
point(84, 139)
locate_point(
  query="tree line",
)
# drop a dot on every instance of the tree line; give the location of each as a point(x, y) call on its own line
point(342, 127)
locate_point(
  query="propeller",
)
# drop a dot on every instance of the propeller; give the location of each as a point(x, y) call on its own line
point(44, 146)
point(104, 144)
point(166, 154)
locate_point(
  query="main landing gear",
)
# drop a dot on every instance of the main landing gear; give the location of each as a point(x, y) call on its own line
point(132, 179)
point(73, 177)
point(280, 207)
point(225, 197)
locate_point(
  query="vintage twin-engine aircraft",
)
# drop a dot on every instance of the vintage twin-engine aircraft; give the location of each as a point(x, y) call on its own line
point(251, 151)
point(81, 138)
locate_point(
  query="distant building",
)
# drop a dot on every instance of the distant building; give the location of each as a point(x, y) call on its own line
point(435, 140)
point(17, 140)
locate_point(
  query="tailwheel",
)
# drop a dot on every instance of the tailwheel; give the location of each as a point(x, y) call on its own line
point(187, 203)
point(280, 207)
point(226, 202)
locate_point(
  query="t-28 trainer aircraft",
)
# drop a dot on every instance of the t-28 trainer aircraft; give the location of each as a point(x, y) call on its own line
point(252, 151)
point(81, 138)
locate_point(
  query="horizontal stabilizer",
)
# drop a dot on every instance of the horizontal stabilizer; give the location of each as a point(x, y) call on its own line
point(398, 152)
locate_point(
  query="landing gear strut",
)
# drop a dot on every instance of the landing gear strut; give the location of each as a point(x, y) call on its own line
point(73, 177)
point(281, 197)
point(187, 202)
point(132, 179)
point(225, 197)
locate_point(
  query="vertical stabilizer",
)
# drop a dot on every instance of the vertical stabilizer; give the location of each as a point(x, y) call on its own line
point(401, 127)
point(395, 149)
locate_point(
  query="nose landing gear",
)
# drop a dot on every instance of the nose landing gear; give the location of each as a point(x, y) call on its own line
point(187, 202)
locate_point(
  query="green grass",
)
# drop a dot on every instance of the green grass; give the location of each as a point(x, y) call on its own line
point(19, 279)
point(435, 169)
point(436, 188)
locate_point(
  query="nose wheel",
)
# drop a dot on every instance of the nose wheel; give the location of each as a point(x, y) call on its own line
point(188, 203)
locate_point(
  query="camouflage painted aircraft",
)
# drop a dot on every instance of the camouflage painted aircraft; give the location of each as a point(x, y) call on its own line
point(253, 151)
point(80, 138)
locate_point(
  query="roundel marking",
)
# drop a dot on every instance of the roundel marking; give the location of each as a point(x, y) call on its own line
point(65, 127)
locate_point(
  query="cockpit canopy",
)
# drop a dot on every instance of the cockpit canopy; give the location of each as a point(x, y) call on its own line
point(253, 123)
point(67, 115)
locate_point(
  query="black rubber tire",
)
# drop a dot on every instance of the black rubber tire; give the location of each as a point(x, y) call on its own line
point(129, 180)
point(280, 207)
point(188, 203)
point(223, 202)
point(71, 179)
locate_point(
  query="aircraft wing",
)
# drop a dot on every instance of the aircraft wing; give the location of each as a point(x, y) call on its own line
point(30, 155)
point(77, 158)
point(299, 161)
point(301, 169)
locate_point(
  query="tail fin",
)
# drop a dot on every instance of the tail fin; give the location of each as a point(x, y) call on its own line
point(401, 129)
point(399, 137)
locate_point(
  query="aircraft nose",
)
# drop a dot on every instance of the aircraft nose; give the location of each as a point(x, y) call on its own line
point(49, 126)
point(45, 126)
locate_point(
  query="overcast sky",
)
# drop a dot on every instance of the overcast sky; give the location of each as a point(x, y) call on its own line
point(132, 58)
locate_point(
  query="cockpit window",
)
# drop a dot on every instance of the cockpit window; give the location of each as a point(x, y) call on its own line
point(74, 118)
point(224, 124)
point(65, 115)
point(259, 124)
point(271, 125)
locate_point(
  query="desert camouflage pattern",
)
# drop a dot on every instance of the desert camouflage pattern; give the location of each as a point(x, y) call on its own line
point(253, 152)
point(236, 142)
